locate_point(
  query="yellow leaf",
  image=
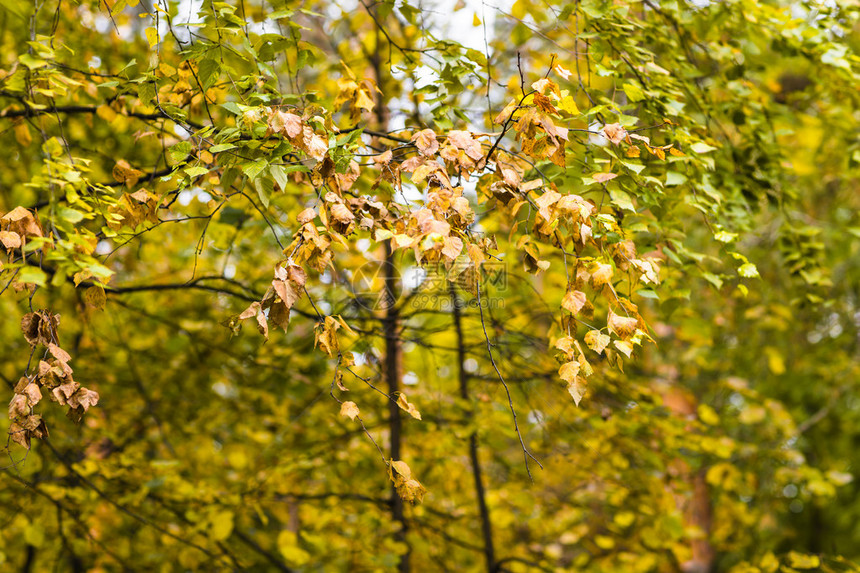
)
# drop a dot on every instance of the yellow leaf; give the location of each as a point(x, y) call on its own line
point(624, 518)
point(363, 100)
point(222, 525)
point(106, 112)
point(752, 415)
point(383, 234)
point(407, 407)
point(775, 363)
point(22, 134)
point(408, 488)
point(573, 301)
point(577, 390)
point(95, 297)
point(596, 340)
point(708, 415)
point(349, 410)
point(152, 36)
point(568, 104)
point(399, 469)
point(288, 545)
point(801, 561)
point(569, 371)
point(624, 347)
point(621, 325)
point(475, 20)
point(326, 337)
point(602, 275)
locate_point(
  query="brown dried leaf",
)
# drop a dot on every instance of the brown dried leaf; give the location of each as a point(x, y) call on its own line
point(297, 275)
point(287, 291)
point(285, 123)
point(33, 393)
point(125, 173)
point(425, 141)
point(59, 353)
point(63, 392)
point(84, 398)
point(262, 325)
point(19, 435)
point(314, 144)
point(279, 314)
point(18, 406)
point(506, 113)
point(615, 133)
point(40, 327)
point(464, 140)
point(10, 239)
point(604, 177)
point(341, 214)
point(338, 379)
point(383, 158)
point(252, 310)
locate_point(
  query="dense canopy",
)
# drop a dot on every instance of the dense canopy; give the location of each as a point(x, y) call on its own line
point(393, 286)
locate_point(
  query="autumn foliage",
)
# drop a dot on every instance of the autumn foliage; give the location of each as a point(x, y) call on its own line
point(341, 292)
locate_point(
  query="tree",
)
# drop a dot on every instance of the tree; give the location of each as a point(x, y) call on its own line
point(589, 303)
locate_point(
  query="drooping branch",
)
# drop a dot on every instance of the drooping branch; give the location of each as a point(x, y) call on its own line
point(91, 109)
point(526, 453)
point(463, 377)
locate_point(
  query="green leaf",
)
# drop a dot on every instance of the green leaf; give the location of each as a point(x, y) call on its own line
point(179, 151)
point(209, 72)
point(196, 171)
point(280, 175)
point(675, 178)
point(265, 187)
point(221, 147)
point(70, 215)
point(701, 147)
point(253, 170)
point(634, 92)
point(232, 107)
point(621, 199)
point(32, 62)
point(33, 275)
